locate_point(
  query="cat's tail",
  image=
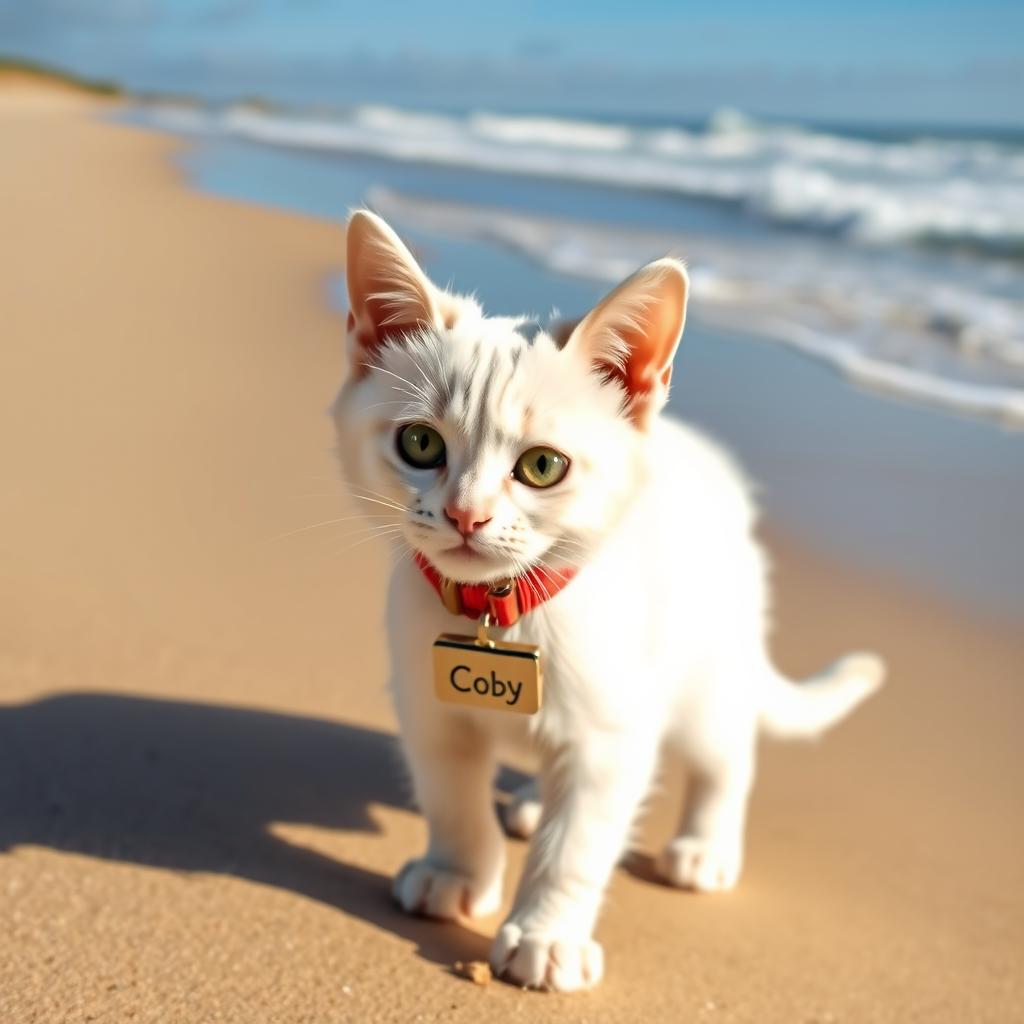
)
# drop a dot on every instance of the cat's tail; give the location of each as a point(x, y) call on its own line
point(804, 710)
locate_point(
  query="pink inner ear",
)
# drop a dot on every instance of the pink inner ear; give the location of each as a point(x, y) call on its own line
point(644, 368)
point(635, 377)
point(389, 295)
point(640, 322)
point(639, 376)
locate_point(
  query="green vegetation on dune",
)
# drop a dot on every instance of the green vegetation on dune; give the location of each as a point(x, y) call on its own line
point(16, 65)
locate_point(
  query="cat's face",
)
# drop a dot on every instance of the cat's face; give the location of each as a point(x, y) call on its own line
point(487, 452)
point(503, 454)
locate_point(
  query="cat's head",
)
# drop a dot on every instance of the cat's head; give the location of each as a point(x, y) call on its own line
point(492, 452)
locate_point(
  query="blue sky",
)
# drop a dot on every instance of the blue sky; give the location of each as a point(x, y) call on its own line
point(869, 60)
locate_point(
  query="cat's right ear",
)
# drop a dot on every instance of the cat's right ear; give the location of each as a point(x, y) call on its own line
point(389, 295)
point(631, 336)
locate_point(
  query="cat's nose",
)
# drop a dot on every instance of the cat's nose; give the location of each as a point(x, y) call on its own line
point(466, 520)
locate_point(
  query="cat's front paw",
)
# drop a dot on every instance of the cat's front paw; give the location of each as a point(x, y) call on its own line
point(700, 864)
point(428, 889)
point(543, 961)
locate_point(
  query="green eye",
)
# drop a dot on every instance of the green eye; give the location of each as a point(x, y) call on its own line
point(541, 467)
point(421, 446)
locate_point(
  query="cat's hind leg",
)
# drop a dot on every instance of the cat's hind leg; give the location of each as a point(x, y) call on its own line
point(521, 814)
point(707, 853)
point(718, 735)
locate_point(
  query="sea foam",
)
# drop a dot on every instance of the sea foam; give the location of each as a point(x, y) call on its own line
point(940, 191)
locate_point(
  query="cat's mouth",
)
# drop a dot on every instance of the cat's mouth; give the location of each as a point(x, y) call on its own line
point(465, 550)
point(470, 561)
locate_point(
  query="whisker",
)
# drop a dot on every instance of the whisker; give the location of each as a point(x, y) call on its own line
point(318, 494)
point(572, 563)
point(407, 552)
point(326, 522)
point(361, 491)
point(523, 573)
point(355, 488)
point(365, 540)
point(572, 544)
point(564, 560)
point(377, 501)
point(372, 528)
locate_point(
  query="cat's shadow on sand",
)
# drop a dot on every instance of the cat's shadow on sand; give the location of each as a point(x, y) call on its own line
point(195, 787)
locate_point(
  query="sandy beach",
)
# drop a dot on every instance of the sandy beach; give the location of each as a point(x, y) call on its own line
point(201, 803)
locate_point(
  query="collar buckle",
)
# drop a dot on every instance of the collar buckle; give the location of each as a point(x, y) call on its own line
point(503, 603)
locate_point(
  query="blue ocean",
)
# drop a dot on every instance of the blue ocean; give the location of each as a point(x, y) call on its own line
point(857, 309)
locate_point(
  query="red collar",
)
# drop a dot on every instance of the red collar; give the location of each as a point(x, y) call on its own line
point(506, 600)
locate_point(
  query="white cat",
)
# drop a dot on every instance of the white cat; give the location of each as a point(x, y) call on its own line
point(495, 456)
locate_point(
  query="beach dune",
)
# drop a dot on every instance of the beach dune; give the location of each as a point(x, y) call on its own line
point(201, 803)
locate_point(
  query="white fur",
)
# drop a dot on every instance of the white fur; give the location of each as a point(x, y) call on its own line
point(660, 639)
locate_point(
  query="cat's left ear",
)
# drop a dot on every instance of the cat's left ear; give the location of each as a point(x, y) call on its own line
point(632, 335)
point(389, 295)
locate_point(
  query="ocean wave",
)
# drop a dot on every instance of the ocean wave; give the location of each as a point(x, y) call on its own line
point(953, 343)
point(938, 191)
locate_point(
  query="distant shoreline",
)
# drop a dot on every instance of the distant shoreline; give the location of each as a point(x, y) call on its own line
point(40, 73)
point(856, 128)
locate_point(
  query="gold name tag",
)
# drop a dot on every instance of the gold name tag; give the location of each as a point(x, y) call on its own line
point(482, 673)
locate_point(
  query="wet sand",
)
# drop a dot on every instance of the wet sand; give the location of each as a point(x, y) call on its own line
point(200, 800)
